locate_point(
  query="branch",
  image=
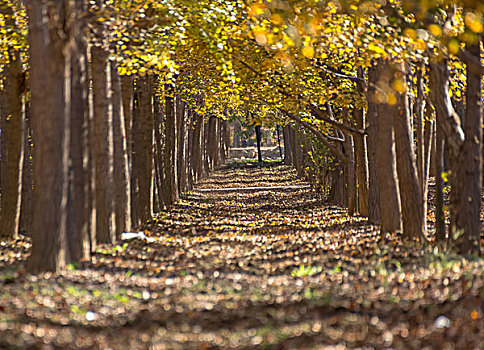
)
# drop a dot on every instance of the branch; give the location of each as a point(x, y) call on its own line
point(341, 75)
point(312, 107)
point(318, 134)
point(321, 115)
point(471, 61)
point(448, 119)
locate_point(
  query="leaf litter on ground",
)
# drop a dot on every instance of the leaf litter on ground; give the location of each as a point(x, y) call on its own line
point(277, 269)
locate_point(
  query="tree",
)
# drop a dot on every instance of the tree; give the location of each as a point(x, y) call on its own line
point(13, 133)
point(50, 106)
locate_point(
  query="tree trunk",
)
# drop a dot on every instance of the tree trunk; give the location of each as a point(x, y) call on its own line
point(14, 134)
point(158, 153)
point(390, 208)
point(350, 176)
point(287, 145)
point(258, 136)
point(411, 197)
point(127, 101)
point(466, 189)
point(26, 210)
point(169, 154)
point(212, 143)
point(77, 216)
point(3, 144)
point(279, 142)
point(337, 191)
point(196, 149)
point(237, 130)
point(122, 191)
point(372, 115)
point(205, 149)
point(102, 146)
point(50, 107)
point(296, 151)
point(142, 152)
point(440, 229)
point(189, 149)
point(181, 141)
point(361, 155)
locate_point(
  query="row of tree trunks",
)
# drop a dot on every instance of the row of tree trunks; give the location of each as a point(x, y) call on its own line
point(398, 174)
point(464, 142)
point(80, 168)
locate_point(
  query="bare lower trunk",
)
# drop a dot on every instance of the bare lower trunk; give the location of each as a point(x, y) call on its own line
point(189, 149)
point(196, 149)
point(26, 210)
point(350, 176)
point(361, 156)
point(411, 197)
point(102, 145)
point(440, 230)
point(169, 154)
point(390, 207)
point(142, 153)
point(14, 134)
point(122, 191)
point(296, 151)
point(127, 101)
point(212, 143)
point(78, 216)
point(287, 145)
point(50, 106)
point(373, 184)
point(181, 141)
point(466, 189)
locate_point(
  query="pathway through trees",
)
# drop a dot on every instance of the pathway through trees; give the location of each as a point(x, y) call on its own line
point(246, 268)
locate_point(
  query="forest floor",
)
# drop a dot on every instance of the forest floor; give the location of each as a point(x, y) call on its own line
point(254, 268)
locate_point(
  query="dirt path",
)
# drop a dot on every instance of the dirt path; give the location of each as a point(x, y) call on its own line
point(272, 268)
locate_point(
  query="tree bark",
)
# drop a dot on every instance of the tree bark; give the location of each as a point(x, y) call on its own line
point(26, 209)
point(50, 107)
point(361, 154)
point(102, 146)
point(143, 152)
point(372, 116)
point(14, 134)
point(466, 189)
point(411, 197)
point(181, 141)
point(390, 207)
point(350, 176)
point(212, 143)
point(127, 101)
point(258, 136)
point(440, 228)
point(196, 149)
point(78, 216)
point(122, 191)
point(189, 150)
point(464, 146)
point(169, 154)
point(287, 145)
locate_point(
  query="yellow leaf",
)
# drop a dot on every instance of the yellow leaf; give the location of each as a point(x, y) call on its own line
point(308, 52)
